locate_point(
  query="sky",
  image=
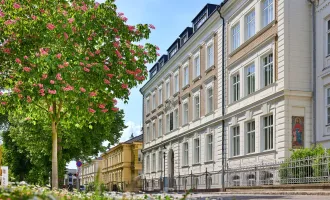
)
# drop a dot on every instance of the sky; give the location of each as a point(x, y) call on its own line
point(170, 17)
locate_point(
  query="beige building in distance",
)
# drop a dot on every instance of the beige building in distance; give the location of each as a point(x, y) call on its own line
point(89, 171)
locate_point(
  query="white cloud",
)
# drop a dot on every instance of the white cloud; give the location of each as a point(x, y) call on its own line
point(132, 127)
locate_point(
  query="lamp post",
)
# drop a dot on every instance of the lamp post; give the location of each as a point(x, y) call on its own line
point(164, 170)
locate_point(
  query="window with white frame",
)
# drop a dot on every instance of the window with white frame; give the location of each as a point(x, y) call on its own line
point(236, 87)
point(209, 101)
point(267, 63)
point(185, 75)
point(148, 106)
point(153, 162)
point(196, 106)
point(148, 164)
point(167, 88)
point(268, 132)
point(250, 79)
point(154, 100)
point(250, 24)
point(176, 118)
point(173, 51)
point(328, 106)
point(196, 151)
point(197, 68)
point(185, 153)
point(210, 55)
point(160, 126)
point(153, 130)
point(160, 163)
point(235, 37)
point(250, 137)
point(176, 83)
point(160, 96)
point(184, 38)
point(328, 31)
point(267, 6)
point(236, 141)
point(148, 134)
point(209, 150)
point(185, 113)
point(169, 122)
point(200, 22)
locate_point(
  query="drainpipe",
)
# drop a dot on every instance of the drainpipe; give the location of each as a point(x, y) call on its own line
point(314, 71)
point(223, 99)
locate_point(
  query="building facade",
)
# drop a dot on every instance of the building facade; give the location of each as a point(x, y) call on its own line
point(181, 103)
point(122, 165)
point(322, 21)
point(90, 170)
point(266, 108)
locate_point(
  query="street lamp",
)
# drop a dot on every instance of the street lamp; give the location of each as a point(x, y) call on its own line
point(164, 170)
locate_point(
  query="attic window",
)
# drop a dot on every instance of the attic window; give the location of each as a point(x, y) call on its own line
point(153, 73)
point(173, 51)
point(200, 22)
point(185, 38)
point(161, 63)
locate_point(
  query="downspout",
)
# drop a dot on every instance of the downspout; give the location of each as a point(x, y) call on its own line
point(223, 100)
point(314, 72)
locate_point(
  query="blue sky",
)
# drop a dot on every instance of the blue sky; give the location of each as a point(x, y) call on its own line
point(170, 17)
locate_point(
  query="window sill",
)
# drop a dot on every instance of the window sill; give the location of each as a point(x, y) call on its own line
point(197, 119)
point(196, 164)
point(154, 110)
point(252, 154)
point(210, 113)
point(185, 87)
point(185, 166)
point(159, 106)
point(197, 78)
point(167, 100)
point(186, 124)
point(176, 94)
point(147, 115)
point(159, 171)
point(153, 172)
point(209, 69)
point(209, 162)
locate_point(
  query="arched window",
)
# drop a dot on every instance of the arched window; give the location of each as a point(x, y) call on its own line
point(236, 180)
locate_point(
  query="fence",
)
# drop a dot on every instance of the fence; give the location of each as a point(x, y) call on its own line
point(291, 171)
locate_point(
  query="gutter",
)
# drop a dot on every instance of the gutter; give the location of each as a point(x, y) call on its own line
point(223, 189)
point(314, 71)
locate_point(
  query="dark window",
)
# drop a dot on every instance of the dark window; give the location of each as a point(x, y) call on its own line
point(171, 121)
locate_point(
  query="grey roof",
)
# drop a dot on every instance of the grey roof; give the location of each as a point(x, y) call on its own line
point(138, 138)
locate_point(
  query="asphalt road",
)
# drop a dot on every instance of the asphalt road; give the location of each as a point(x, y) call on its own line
point(259, 197)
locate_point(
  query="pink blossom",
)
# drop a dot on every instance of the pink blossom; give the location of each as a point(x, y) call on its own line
point(106, 68)
point(40, 85)
point(110, 75)
point(17, 60)
point(97, 52)
point(157, 54)
point(106, 81)
point(89, 38)
point(44, 76)
point(152, 26)
point(157, 48)
point(6, 50)
point(82, 89)
point(115, 30)
point(50, 109)
point(52, 82)
point(120, 14)
point(114, 101)
point(92, 94)
point(71, 20)
point(51, 26)
point(96, 5)
point(20, 96)
point(91, 110)
point(16, 6)
point(138, 71)
point(2, 14)
point(132, 51)
point(43, 52)
point(115, 109)
point(86, 69)
point(87, 58)
point(58, 56)
point(124, 86)
point(102, 106)
point(66, 64)
point(3, 103)
point(118, 54)
point(1, 93)
point(51, 91)
point(9, 22)
point(25, 57)
point(124, 18)
point(59, 77)
point(88, 65)
point(68, 88)
point(84, 8)
point(104, 110)
point(37, 54)
point(116, 44)
point(34, 17)
point(82, 64)
point(65, 13)
point(60, 66)
point(27, 69)
point(140, 46)
point(28, 99)
point(131, 28)
point(66, 36)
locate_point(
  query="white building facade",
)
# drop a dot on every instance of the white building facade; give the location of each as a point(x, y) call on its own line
point(89, 171)
point(322, 20)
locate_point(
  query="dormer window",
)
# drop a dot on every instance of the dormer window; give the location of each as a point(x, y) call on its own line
point(173, 51)
point(200, 22)
point(161, 63)
point(153, 73)
point(185, 38)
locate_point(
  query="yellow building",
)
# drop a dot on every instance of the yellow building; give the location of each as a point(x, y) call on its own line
point(122, 164)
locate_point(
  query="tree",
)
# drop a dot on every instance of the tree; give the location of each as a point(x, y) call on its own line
point(65, 62)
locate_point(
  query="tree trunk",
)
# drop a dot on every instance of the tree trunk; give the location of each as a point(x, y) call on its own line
point(54, 156)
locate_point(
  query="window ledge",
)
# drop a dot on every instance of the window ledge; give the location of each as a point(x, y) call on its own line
point(176, 94)
point(160, 105)
point(154, 110)
point(154, 172)
point(197, 164)
point(252, 154)
point(186, 124)
point(197, 78)
point(148, 114)
point(209, 162)
point(168, 100)
point(209, 69)
point(185, 87)
point(185, 166)
point(210, 113)
point(159, 171)
point(195, 120)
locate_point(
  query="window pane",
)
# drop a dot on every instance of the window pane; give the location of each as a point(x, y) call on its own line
point(329, 25)
point(250, 20)
point(328, 115)
point(235, 36)
point(328, 43)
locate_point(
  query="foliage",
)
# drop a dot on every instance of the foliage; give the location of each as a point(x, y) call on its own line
point(65, 62)
point(305, 163)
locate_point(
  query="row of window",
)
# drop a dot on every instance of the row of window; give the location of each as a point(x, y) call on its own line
point(250, 24)
point(172, 118)
point(267, 72)
point(185, 78)
point(185, 154)
point(250, 136)
point(112, 160)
